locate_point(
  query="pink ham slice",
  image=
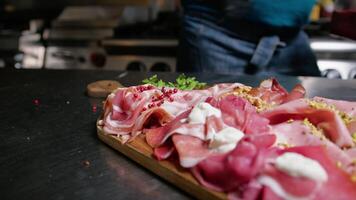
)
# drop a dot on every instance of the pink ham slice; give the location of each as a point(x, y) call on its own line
point(298, 134)
point(197, 138)
point(268, 194)
point(239, 113)
point(347, 107)
point(164, 151)
point(338, 185)
point(299, 109)
point(344, 106)
point(352, 127)
point(272, 92)
point(121, 112)
point(293, 186)
point(236, 112)
point(124, 112)
point(297, 92)
point(235, 109)
point(226, 172)
point(191, 150)
point(157, 136)
point(155, 117)
point(213, 125)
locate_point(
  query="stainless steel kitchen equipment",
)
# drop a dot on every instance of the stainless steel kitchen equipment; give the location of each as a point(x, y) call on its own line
point(336, 56)
point(9, 47)
point(32, 49)
point(149, 46)
point(73, 41)
point(141, 54)
point(78, 37)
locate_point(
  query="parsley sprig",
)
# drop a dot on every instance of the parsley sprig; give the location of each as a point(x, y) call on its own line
point(183, 82)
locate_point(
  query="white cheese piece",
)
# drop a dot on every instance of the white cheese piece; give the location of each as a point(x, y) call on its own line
point(201, 111)
point(100, 122)
point(111, 95)
point(174, 108)
point(298, 165)
point(226, 139)
point(184, 120)
point(188, 162)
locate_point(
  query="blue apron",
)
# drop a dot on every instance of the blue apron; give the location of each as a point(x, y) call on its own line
point(211, 41)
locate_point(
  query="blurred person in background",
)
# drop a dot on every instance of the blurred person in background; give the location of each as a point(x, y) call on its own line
point(246, 36)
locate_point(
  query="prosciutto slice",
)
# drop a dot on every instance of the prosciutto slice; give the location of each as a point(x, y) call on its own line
point(128, 110)
point(227, 172)
point(338, 185)
point(344, 106)
point(296, 133)
point(164, 151)
point(191, 150)
point(347, 107)
point(236, 112)
point(157, 136)
point(329, 121)
point(239, 113)
point(272, 92)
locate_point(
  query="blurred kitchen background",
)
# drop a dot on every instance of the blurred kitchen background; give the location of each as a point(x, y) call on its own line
point(141, 35)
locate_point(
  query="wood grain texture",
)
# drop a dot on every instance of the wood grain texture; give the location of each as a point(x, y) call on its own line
point(102, 88)
point(139, 151)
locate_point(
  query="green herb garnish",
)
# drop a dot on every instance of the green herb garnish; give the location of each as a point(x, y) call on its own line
point(182, 82)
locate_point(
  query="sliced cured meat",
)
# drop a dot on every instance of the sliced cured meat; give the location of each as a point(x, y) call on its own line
point(325, 119)
point(231, 146)
point(268, 194)
point(164, 151)
point(226, 172)
point(352, 128)
point(128, 110)
point(239, 113)
point(223, 88)
point(297, 133)
point(273, 93)
point(122, 109)
point(344, 106)
point(297, 92)
point(213, 125)
point(157, 136)
point(346, 109)
point(286, 186)
point(251, 191)
point(191, 150)
point(269, 94)
point(152, 118)
point(270, 91)
point(337, 186)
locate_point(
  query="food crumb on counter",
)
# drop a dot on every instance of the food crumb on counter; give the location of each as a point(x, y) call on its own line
point(36, 102)
point(86, 163)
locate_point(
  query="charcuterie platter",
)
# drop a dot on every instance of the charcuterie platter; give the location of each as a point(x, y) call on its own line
point(232, 141)
point(140, 152)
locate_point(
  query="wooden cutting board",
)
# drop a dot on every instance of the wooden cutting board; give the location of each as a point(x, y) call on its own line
point(139, 151)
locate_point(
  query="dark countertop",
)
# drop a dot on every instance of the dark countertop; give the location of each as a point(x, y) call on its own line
point(48, 143)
